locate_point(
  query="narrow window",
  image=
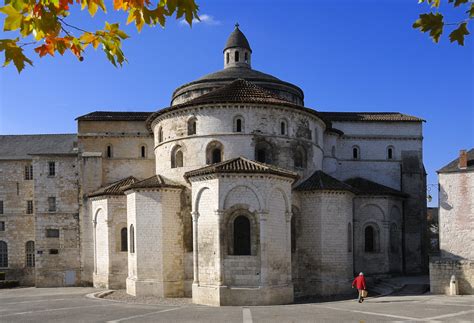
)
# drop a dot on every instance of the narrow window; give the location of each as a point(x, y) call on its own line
point(316, 136)
point(52, 233)
point(29, 207)
point(283, 128)
point(241, 236)
point(3, 254)
point(123, 240)
point(227, 58)
point(51, 204)
point(29, 172)
point(143, 151)
point(246, 57)
point(390, 153)
point(1, 207)
point(261, 155)
point(355, 152)
point(51, 168)
point(393, 238)
point(30, 253)
point(191, 126)
point(216, 156)
point(300, 157)
point(333, 151)
point(369, 239)
point(349, 237)
point(160, 134)
point(2, 225)
point(53, 251)
point(238, 125)
point(132, 239)
point(177, 157)
point(236, 56)
point(109, 151)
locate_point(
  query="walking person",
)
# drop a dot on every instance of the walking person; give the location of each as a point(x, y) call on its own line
point(359, 283)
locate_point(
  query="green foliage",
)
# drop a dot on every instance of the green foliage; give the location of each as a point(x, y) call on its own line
point(43, 23)
point(9, 283)
point(2, 276)
point(434, 23)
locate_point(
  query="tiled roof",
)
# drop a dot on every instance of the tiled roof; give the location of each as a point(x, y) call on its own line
point(237, 39)
point(23, 146)
point(365, 187)
point(453, 166)
point(239, 91)
point(369, 116)
point(116, 188)
point(114, 116)
point(321, 181)
point(241, 165)
point(155, 181)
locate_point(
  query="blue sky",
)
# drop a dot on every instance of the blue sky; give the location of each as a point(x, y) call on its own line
point(346, 55)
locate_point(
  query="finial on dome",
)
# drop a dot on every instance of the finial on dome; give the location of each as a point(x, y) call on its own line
point(237, 25)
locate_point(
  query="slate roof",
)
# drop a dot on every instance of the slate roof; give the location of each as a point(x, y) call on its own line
point(239, 91)
point(363, 186)
point(369, 116)
point(114, 116)
point(13, 147)
point(155, 181)
point(452, 167)
point(241, 165)
point(115, 188)
point(321, 181)
point(237, 39)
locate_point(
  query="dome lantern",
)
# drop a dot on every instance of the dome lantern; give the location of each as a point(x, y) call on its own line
point(237, 51)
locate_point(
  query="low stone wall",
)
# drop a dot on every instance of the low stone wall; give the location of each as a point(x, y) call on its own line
point(441, 270)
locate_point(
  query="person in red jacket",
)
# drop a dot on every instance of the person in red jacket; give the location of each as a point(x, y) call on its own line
point(359, 283)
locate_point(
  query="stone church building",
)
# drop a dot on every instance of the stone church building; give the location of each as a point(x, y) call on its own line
point(235, 194)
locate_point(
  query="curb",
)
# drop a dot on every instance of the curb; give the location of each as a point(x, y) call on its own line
point(101, 294)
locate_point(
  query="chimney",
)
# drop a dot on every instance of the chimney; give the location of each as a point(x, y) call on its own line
point(462, 159)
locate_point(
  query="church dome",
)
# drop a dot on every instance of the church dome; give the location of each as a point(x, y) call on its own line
point(237, 65)
point(237, 39)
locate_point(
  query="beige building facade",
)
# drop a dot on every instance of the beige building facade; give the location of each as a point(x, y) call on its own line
point(236, 194)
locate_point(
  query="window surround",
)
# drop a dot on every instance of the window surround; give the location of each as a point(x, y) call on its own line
point(232, 214)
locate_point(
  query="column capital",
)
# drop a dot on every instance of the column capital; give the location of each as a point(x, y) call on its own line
point(288, 216)
point(219, 212)
point(195, 215)
point(263, 214)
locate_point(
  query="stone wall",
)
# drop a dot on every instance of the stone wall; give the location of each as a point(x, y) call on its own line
point(441, 270)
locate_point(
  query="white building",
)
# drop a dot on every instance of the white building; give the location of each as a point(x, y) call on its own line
point(238, 194)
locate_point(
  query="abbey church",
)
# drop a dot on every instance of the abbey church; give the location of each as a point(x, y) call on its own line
point(235, 194)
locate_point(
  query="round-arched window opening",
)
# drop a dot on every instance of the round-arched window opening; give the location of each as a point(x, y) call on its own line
point(333, 151)
point(216, 156)
point(143, 152)
point(242, 245)
point(177, 157)
point(123, 239)
point(192, 126)
point(236, 56)
point(214, 152)
point(390, 152)
point(283, 128)
point(355, 152)
point(227, 58)
point(160, 134)
point(369, 239)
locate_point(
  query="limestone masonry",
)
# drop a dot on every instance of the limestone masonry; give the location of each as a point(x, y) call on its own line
point(236, 194)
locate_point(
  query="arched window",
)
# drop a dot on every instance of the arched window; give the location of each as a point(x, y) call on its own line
point(389, 152)
point(176, 157)
point(192, 126)
point(3, 254)
point(283, 128)
point(263, 152)
point(123, 240)
point(333, 151)
point(30, 253)
point(300, 157)
point(160, 134)
point(369, 239)
point(293, 234)
point(394, 242)
point(242, 236)
point(236, 56)
point(238, 124)
point(132, 239)
point(214, 152)
point(355, 152)
point(246, 57)
point(143, 152)
point(109, 152)
point(349, 237)
point(227, 58)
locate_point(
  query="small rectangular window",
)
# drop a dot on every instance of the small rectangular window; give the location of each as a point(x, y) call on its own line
point(29, 207)
point(53, 251)
point(28, 172)
point(1, 207)
point(2, 225)
point(51, 168)
point(51, 204)
point(52, 233)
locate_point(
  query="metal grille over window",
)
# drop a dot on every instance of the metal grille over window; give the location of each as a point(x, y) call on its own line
point(29, 207)
point(28, 172)
point(51, 169)
point(30, 254)
point(3, 254)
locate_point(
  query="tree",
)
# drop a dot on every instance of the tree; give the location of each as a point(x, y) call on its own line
point(434, 22)
point(43, 23)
